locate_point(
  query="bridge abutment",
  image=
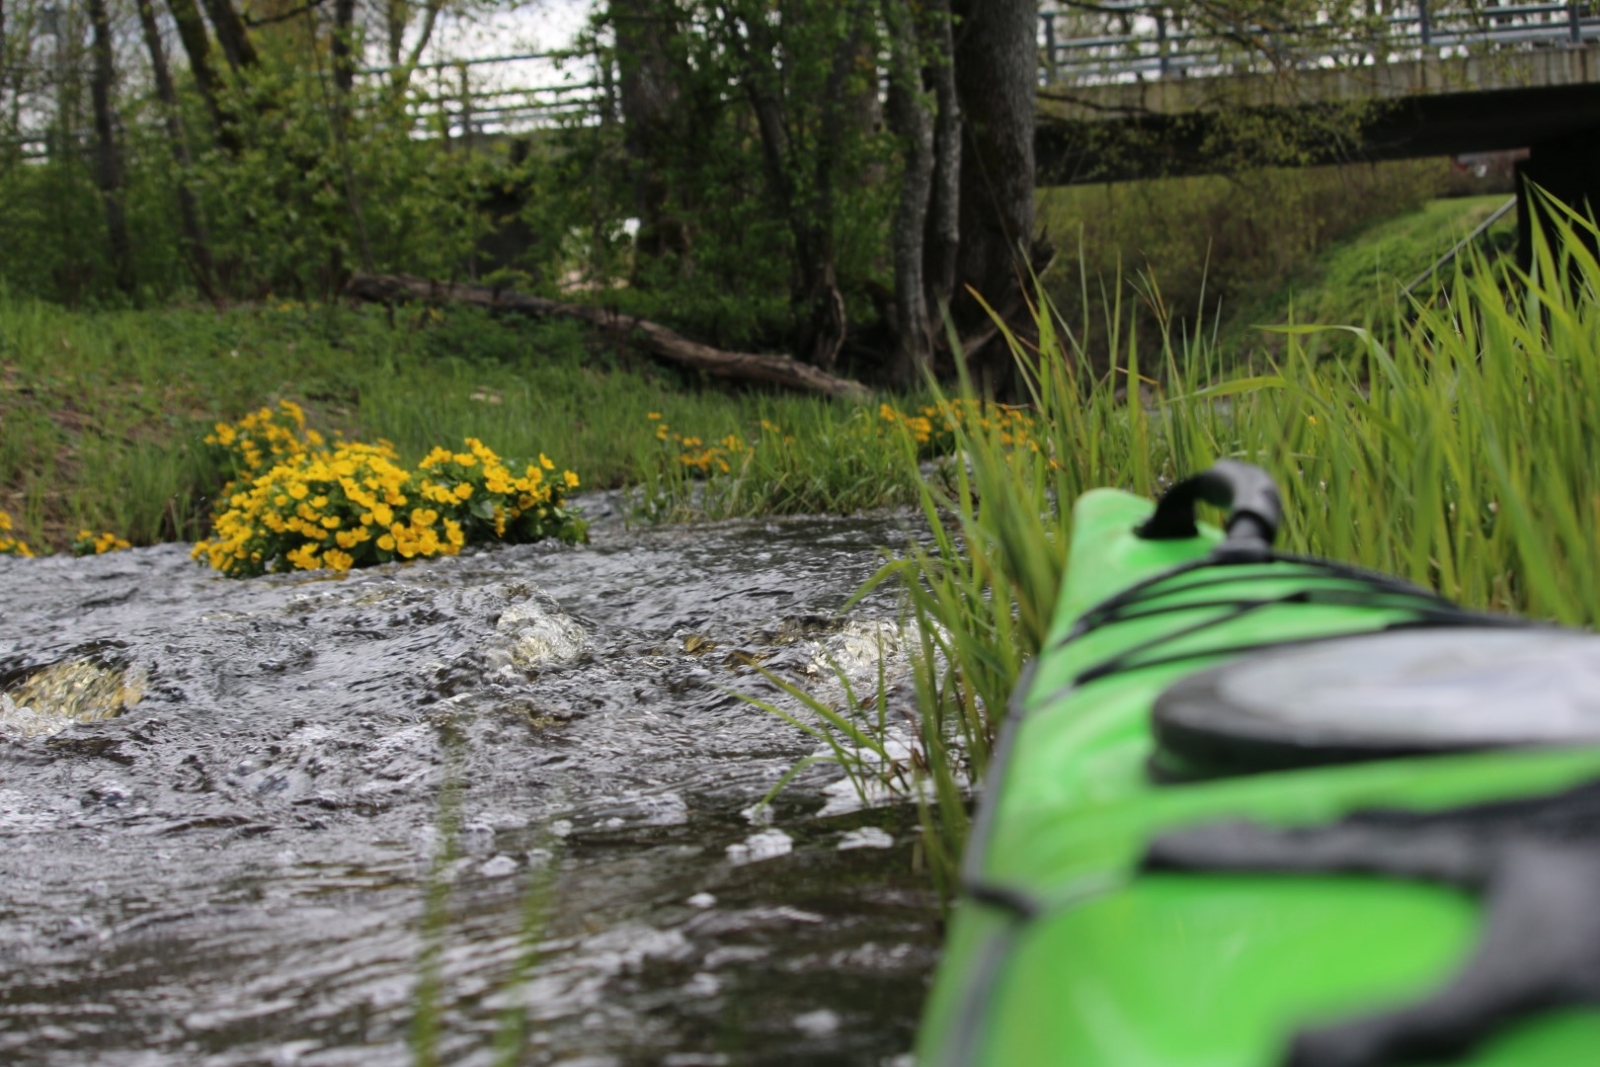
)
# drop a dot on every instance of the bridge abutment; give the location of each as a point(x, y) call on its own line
point(1568, 169)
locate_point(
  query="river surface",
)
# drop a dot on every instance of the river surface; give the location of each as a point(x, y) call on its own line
point(539, 740)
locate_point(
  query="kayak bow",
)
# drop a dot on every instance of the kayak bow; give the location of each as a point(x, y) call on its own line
point(1252, 809)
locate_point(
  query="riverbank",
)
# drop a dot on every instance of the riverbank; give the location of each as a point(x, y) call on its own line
point(105, 412)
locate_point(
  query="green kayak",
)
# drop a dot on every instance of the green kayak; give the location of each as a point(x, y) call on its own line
point(1250, 810)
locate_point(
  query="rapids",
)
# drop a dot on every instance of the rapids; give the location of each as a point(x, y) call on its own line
point(237, 866)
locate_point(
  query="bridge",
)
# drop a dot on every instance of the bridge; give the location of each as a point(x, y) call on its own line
point(1417, 78)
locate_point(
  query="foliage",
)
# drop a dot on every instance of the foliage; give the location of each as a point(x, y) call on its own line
point(298, 505)
point(300, 183)
point(9, 544)
point(823, 461)
point(749, 210)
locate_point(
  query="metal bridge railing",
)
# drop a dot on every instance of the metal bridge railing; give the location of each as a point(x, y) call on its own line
point(1153, 42)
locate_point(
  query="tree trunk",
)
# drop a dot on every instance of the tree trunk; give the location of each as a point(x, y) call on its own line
point(944, 209)
point(231, 34)
point(819, 306)
point(108, 163)
point(996, 64)
point(649, 94)
point(344, 67)
point(199, 248)
point(197, 46)
point(400, 75)
point(395, 13)
point(910, 120)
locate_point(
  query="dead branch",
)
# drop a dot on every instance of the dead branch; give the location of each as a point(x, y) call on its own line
point(655, 338)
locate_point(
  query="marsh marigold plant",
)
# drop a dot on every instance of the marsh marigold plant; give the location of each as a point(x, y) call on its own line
point(10, 545)
point(89, 543)
point(300, 504)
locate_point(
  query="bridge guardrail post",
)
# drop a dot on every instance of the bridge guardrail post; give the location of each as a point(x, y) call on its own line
point(1163, 62)
point(1425, 23)
point(1575, 22)
point(1051, 73)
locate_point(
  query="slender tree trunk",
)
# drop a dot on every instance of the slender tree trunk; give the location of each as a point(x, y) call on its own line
point(400, 73)
point(944, 209)
point(996, 64)
point(199, 247)
point(232, 35)
point(108, 163)
point(395, 22)
point(344, 67)
point(648, 91)
point(912, 122)
point(197, 46)
point(823, 321)
point(819, 307)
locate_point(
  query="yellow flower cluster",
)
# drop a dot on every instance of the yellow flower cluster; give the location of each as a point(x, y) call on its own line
point(89, 543)
point(9, 544)
point(696, 454)
point(355, 505)
point(934, 427)
point(265, 437)
point(480, 490)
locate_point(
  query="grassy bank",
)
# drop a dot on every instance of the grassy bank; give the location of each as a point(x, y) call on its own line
point(102, 414)
point(1359, 279)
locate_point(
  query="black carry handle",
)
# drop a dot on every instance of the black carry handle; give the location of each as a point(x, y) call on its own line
point(1254, 509)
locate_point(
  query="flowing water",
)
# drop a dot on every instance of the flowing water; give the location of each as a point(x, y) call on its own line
point(377, 819)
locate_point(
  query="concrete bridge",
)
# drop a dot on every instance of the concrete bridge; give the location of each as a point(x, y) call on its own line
point(1424, 77)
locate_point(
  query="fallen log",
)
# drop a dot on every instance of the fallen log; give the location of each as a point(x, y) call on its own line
point(655, 338)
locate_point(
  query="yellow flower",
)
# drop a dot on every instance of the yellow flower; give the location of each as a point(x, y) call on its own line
point(570, 478)
point(463, 491)
point(304, 557)
point(338, 561)
point(544, 461)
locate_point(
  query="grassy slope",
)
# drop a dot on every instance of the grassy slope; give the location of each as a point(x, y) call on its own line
point(102, 413)
point(1357, 280)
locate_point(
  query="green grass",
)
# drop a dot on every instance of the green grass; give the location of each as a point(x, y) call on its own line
point(1359, 280)
point(103, 412)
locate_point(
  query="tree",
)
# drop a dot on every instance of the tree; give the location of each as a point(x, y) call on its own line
point(199, 246)
point(996, 74)
point(799, 73)
point(650, 90)
point(108, 158)
point(197, 46)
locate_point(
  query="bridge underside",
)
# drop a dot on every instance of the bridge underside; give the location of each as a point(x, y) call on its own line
point(1074, 150)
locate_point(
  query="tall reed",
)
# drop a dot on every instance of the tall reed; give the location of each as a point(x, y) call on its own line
point(1460, 449)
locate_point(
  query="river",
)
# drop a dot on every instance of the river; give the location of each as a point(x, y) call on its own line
point(541, 740)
